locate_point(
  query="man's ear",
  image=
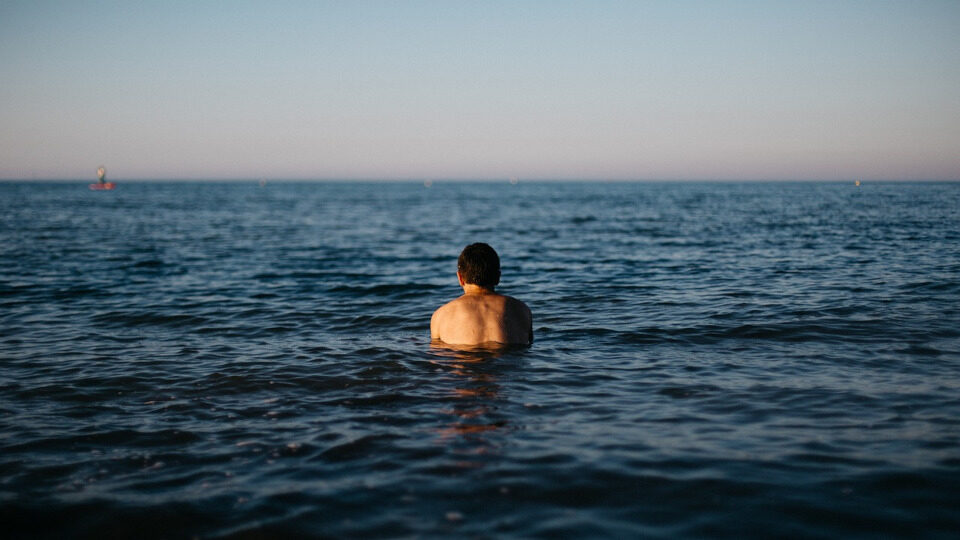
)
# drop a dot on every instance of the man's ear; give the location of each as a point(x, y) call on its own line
point(460, 278)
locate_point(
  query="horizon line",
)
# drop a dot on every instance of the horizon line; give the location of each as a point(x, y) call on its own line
point(433, 180)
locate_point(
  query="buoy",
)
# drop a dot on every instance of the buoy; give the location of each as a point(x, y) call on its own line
point(102, 184)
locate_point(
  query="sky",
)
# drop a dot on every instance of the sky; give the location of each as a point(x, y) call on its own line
point(593, 89)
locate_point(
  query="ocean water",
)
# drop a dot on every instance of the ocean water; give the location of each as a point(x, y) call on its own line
point(711, 360)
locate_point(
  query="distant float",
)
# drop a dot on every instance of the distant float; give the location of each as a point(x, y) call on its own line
point(102, 183)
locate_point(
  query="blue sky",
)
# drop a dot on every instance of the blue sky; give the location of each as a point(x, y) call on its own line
point(535, 90)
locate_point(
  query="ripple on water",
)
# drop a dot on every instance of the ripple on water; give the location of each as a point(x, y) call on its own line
point(710, 360)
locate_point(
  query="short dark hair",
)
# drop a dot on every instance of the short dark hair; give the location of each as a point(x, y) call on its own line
point(479, 264)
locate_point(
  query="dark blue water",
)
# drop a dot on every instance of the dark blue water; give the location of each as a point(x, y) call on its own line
point(717, 359)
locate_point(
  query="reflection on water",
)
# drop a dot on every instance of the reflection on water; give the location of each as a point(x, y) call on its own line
point(477, 411)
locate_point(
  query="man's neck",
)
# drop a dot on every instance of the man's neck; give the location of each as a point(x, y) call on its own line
point(471, 288)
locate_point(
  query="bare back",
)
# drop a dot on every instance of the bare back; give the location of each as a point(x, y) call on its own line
point(473, 319)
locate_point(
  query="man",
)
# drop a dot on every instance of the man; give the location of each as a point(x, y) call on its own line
point(481, 315)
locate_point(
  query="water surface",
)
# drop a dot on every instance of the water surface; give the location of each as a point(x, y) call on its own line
point(715, 359)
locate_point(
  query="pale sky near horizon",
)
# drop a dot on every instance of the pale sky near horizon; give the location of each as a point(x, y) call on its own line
point(482, 90)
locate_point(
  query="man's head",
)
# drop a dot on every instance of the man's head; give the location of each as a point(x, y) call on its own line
point(479, 264)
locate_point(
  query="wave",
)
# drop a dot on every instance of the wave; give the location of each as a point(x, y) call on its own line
point(824, 331)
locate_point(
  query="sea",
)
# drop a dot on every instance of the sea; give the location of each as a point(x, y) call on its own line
point(253, 360)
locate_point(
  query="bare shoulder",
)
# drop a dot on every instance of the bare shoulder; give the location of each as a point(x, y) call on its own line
point(472, 319)
point(514, 304)
point(518, 321)
point(440, 317)
point(449, 308)
point(441, 312)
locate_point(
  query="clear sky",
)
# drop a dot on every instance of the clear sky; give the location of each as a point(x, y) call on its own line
point(591, 89)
